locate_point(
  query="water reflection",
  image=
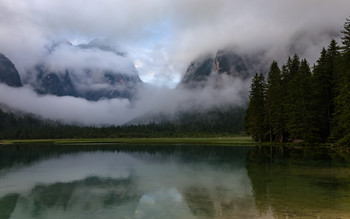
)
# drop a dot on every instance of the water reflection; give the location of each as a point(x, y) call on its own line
point(115, 181)
point(120, 182)
point(296, 183)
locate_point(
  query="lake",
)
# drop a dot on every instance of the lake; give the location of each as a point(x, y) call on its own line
point(182, 181)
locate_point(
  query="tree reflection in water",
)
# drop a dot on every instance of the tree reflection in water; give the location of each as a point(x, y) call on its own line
point(300, 183)
point(105, 181)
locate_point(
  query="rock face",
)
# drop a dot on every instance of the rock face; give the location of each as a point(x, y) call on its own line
point(8, 72)
point(92, 82)
point(225, 62)
point(114, 85)
point(59, 84)
point(123, 86)
point(105, 80)
point(198, 72)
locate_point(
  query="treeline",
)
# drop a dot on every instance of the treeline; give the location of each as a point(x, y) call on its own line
point(222, 123)
point(297, 102)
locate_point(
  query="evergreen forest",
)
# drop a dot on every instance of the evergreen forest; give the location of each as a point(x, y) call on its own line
point(299, 103)
point(27, 126)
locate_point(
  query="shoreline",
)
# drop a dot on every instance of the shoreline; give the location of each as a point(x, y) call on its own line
point(234, 141)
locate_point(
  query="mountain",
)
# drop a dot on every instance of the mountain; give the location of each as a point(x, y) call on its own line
point(112, 74)
point(207, 70)
point(224, 119)
point(198, 72)
point(226, 61)
point(8, 72)
point(57, 83)
point(121, 86)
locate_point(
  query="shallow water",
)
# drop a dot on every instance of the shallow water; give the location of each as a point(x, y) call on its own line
point(171, 182)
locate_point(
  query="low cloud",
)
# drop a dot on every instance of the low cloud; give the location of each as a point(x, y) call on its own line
point(87, 65)
point(66, 109)
point(161, 38)
point(172, 32)
point(150, 101)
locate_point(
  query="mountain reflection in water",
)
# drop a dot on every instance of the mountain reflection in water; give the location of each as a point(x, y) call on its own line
point(168, 182)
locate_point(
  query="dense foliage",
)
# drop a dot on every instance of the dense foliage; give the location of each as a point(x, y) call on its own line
point(299, 103)
point(218, 123)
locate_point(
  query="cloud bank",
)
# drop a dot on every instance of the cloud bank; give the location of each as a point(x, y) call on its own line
point(161, 38)
point(87, 65)
point(165, 35)
point(150, 100)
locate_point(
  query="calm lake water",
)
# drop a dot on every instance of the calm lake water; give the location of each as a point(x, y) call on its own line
point(114, 181)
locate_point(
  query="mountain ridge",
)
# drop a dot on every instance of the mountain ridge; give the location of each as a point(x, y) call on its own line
point(92, 83)
point(8, 72)
point(225, 61)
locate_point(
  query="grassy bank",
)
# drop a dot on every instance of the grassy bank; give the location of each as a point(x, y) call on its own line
point(238, 140)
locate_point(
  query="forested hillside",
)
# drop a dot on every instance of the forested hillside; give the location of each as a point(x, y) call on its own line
point(301, 103)
point(16, 126)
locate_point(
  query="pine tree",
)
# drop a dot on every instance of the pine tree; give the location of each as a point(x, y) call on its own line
point(346, 37)
point(289, 73)
point(333, 60)
point(299, 114)
point(341, 121)
point(274, 105)
point(285, 83)
point(323, 87)
point(294, 65)
point(254, 119)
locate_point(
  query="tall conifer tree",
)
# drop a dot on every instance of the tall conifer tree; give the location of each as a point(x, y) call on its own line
point(299, 112)
point(341, 128)
point(254, 120)
point(321, 88)
point(274, 103)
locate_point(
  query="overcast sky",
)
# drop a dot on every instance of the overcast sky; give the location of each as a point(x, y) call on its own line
point(160, 38)
point(163, 36)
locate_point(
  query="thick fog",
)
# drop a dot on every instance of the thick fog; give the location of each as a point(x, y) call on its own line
point(86, 64)
point(150, 101)
point(156, 39)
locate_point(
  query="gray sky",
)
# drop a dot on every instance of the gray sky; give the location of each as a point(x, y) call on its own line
point(161, 38)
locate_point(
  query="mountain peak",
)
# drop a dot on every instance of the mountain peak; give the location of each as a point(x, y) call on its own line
point(226, 61)
point(229, 62)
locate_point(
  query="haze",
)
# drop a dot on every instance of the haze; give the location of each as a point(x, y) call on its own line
point(160, 38)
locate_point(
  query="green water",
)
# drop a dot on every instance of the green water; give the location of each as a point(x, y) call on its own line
point(114, 181)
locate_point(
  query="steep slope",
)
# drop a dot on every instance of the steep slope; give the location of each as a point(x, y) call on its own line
point(8, 72)
point(112, 84)
point(59, 84)
point(226, 61)
point(198, 72)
